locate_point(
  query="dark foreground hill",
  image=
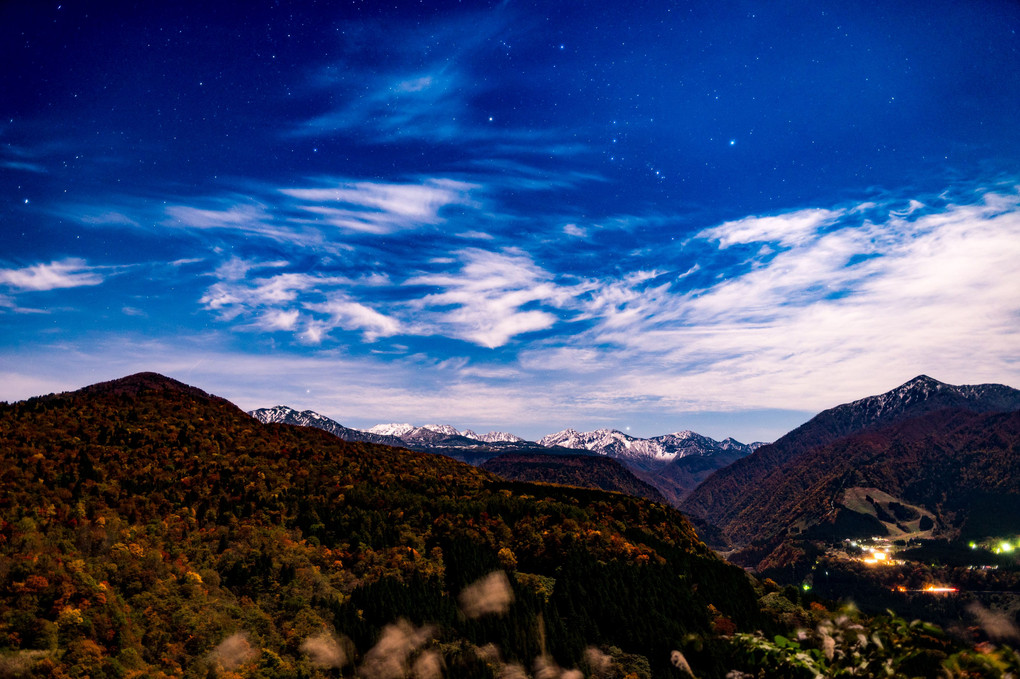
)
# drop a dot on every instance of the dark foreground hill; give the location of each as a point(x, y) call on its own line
point(149, 529)
point(586, 471)
point(734, 498)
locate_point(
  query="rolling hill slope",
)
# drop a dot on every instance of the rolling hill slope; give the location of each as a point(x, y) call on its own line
point(733, 497)
point(150, 529)
point(587, 471)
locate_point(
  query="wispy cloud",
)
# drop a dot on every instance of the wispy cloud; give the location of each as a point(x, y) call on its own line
point(236, 268)
point(239, 216)
point(23, 166)
point(380, 208)
point(422, 105)
point(298, 218)
point(788, 229)
point(233, 297)
point(106, 218)
point(24, 159)
point(848, 303)
point(65, 273)
point(343, 312)
point(247, 216)
point(405, 96)
point(489, 299)
point(492, 297)
point(302, 303)
point(400, 95)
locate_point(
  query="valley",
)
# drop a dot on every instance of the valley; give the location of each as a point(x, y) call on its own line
point(893, 498)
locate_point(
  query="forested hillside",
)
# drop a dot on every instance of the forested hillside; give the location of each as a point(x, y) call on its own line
point(148, 529)
point(732, 498)
point(586, 471)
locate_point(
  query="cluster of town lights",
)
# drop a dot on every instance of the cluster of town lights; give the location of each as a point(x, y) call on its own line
point(876, 556)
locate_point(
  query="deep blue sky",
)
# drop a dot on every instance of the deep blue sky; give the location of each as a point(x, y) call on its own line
point(722, 216)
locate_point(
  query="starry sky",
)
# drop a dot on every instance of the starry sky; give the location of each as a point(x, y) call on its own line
point(524, 216)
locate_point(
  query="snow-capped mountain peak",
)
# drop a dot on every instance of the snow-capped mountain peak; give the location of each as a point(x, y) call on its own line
point(274, 414)
point(447, 429)
point(561, 438)
point(501, 436)
point(493, 437)
point(392, 429)
point(925, 394)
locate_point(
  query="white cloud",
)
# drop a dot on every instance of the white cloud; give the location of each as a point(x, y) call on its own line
point(235, 268)
point(415, 84)
point(912, 207)
point(233, 297)
point(66, 273)
point(348, 314)
point(278, 319)
point(402, 105)
point(375, 207)
point(251, 218)
point(477, 235)
point(306, 304)
point(245, 216)
point(791, 228)
point(484, 302)
point(107, 218)
point(808, 327)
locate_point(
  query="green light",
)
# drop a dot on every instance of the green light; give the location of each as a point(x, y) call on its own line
point(973, 545)
point(1005, 547)
point(806, 587)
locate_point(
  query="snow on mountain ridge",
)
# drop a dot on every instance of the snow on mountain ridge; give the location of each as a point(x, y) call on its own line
point(645, 453)
point(923, 393)
point(447, 429)
point(610, 442)
point(274, 414)
point(656, 450)
point(500, 436)
point(392, 429)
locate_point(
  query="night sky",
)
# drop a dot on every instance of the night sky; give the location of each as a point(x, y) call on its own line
point(719, 216)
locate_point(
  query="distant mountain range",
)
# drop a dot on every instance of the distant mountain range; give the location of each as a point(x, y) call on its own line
point(426, 432)
point(672, 463)
point(444, 439)
point(650, 453)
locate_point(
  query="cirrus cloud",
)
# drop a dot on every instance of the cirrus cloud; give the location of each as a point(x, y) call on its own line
point(492, 297)
point(66, 273)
